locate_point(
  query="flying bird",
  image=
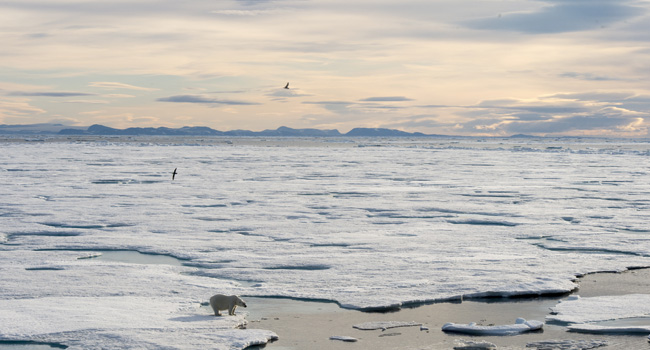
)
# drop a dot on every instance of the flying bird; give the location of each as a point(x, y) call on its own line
point(286, 86)
point(174, 173)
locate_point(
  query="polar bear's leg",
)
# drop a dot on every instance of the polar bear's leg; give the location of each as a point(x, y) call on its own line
point(214, 303)
point(231, 311)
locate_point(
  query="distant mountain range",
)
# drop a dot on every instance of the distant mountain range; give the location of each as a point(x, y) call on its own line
point(59, 129)
point(283, 131)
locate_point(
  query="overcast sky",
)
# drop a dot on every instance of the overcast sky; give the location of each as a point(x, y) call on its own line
point(461, 67)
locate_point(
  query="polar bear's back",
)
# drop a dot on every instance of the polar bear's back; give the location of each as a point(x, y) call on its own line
point(220, 301)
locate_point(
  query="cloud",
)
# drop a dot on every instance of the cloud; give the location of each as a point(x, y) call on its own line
point(593, 96)
point(345, 107)
point(362, 63)
point(562, 16)
point(599, 121)
point(203, 100)
point(328, 103)
point(626, 100)
point(64, 121)
point(114, 85)
point(249, 12)
point(48, 94)
point(583, 113)
point(118, 96)
point(94, 102)
point(293, 92)
point(418, 122)
point(586, 76)
point(386, 99)
point(516, 106)
point(11, 110)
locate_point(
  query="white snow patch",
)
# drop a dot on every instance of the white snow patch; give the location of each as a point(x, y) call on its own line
point(520, 326)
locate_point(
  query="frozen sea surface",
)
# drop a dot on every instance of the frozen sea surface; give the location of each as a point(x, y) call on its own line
point(369, 224)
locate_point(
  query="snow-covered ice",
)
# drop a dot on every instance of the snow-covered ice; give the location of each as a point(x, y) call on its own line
point(592, 328)
point(584, 310)
point(618, 314)
point(520, 326)
point(474, 345)
point(408, 222)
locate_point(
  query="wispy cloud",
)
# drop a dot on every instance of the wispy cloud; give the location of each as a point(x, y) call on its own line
point(562, 16)
point(48, 94)
point(288, 93)
point(12, 111)
point(93, 102)
point(203, 100)
point(586, 76)
point(249, 12)
point(386, 99)
point(114, 85)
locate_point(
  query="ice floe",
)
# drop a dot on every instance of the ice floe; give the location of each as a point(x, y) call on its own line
point(103, 304)
point(568, 344)
point(344, 338)
point(592, 328)
point(583, 310)
point(384, 325)
point(520, 326)
point(474, 345)
point(121, 322)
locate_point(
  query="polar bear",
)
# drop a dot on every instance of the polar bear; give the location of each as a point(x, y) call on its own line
point(225, 302)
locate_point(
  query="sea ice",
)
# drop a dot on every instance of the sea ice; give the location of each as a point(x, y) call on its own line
point(367, 227)
point(384, 325)
point(103, 304)
point(584, 310)
point(520, 326)
point(123, 322)
point(592, 328)
point(344, 338)
point(474, 345)
point(568, 344)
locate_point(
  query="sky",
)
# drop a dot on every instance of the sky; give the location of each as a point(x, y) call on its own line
point(454, 67)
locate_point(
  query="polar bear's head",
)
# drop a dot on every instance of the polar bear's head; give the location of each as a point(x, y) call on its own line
point(239, 301)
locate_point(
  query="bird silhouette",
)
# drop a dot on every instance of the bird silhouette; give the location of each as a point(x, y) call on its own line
point(174, 173)
point(286, 86)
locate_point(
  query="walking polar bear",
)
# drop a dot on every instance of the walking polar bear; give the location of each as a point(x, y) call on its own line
point(225, 302)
